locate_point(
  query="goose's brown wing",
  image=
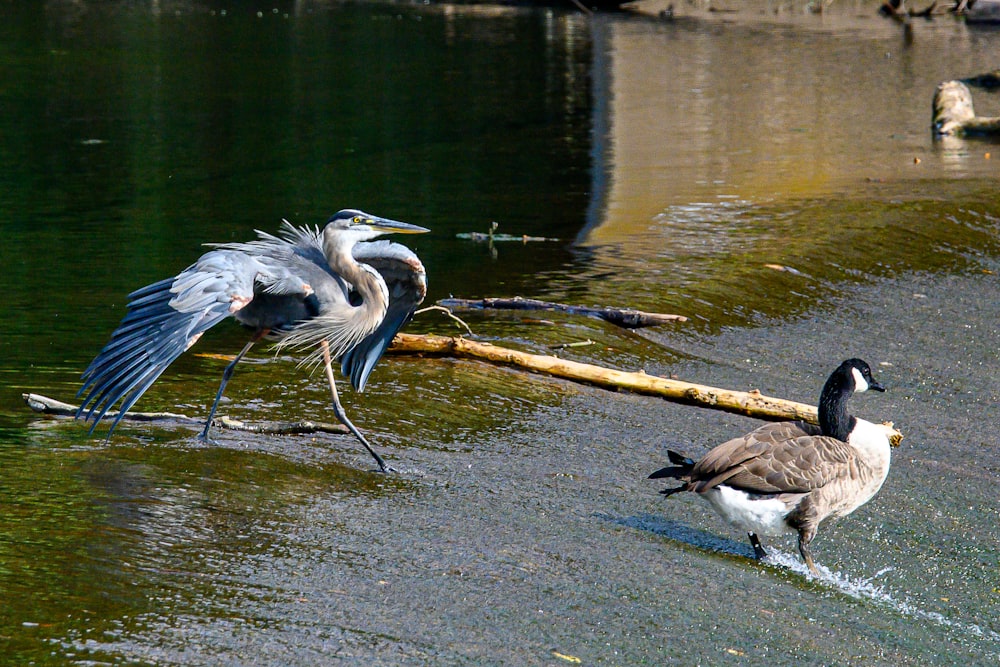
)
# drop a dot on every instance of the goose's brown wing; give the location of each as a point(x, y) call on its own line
point(785, 457)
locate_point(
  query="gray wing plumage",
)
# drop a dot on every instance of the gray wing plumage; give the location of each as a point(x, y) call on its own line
point(785, 457)
point(406, 280)
point(163, 320)
point(166, 318)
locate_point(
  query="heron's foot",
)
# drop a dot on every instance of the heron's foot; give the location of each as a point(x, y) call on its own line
point(758, 548)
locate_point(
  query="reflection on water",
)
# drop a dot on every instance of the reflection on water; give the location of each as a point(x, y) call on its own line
point(693, 116)
point(715, 149)
point(79, 535)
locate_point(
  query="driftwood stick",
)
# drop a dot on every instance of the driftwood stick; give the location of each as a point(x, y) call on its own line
point(448, 314)
point(280, 428)
point(627, 318)
point(750, 403)
point(50, 406)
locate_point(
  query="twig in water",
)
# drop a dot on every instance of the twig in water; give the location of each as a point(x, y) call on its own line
point(447, 312)
point(579, 343)
point(623, 317)
point(50, 406)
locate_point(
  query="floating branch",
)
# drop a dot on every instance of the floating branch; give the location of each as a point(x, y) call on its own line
point(627, 318)
point(751, 403)
point(579, 343)
point(448, 313)
point(480, 237)
point(280, 428)
point(50, 406)
point(492, 237)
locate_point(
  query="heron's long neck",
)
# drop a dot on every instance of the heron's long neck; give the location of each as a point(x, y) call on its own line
point(834, 420)
point(366, 281)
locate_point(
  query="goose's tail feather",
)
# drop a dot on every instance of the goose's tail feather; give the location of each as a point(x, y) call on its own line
point(681, 470)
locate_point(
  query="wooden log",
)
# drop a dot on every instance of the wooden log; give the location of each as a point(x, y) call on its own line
point(750, 403)
point(51, 406)
point(954, 114)
point(623, 317)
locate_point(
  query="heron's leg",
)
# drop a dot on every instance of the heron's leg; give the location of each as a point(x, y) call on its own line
point(758, 549)
point(338, 409)
point(226, 374)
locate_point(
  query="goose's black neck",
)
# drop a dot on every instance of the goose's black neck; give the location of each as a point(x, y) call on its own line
point(834, 420)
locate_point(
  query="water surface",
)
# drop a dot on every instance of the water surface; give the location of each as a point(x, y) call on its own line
point(680, 164)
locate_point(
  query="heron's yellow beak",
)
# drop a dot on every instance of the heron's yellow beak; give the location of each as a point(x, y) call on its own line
point(392, 226)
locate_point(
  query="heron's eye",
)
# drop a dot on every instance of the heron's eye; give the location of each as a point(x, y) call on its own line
point(357, 220)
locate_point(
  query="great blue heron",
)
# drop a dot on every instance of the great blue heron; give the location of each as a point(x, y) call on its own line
point(334, 290)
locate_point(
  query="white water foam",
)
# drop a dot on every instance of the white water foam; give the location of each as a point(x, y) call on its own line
point(867, 589)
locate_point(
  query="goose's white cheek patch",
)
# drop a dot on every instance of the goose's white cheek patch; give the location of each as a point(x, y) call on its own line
point(860, 384)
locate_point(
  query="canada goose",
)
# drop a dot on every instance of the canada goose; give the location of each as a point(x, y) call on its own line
point(790, 476)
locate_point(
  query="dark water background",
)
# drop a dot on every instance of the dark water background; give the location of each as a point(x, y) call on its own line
point(673, 161)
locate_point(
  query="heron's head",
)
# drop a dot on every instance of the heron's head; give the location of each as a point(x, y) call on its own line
point(352, 225)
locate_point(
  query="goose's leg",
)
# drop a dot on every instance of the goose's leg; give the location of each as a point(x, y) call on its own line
point(805, 537)
point(758, 549)
point(338, 409)
point(226, 374)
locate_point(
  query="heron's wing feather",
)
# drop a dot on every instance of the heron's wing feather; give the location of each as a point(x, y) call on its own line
point(406, 280)
point(163, 320)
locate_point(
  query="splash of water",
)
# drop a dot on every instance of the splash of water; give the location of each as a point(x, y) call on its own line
point(866, 589)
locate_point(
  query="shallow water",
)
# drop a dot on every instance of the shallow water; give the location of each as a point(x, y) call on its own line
point(680, 164)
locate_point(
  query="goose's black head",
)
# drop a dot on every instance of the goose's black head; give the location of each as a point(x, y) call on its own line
point(861, 374)
point(854, 375)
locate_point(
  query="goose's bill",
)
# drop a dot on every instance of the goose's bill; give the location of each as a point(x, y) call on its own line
point(393, 226)
point(875, 386)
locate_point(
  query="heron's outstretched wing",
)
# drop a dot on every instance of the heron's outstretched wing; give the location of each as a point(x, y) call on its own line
point(165, 319)
point(406, 279)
